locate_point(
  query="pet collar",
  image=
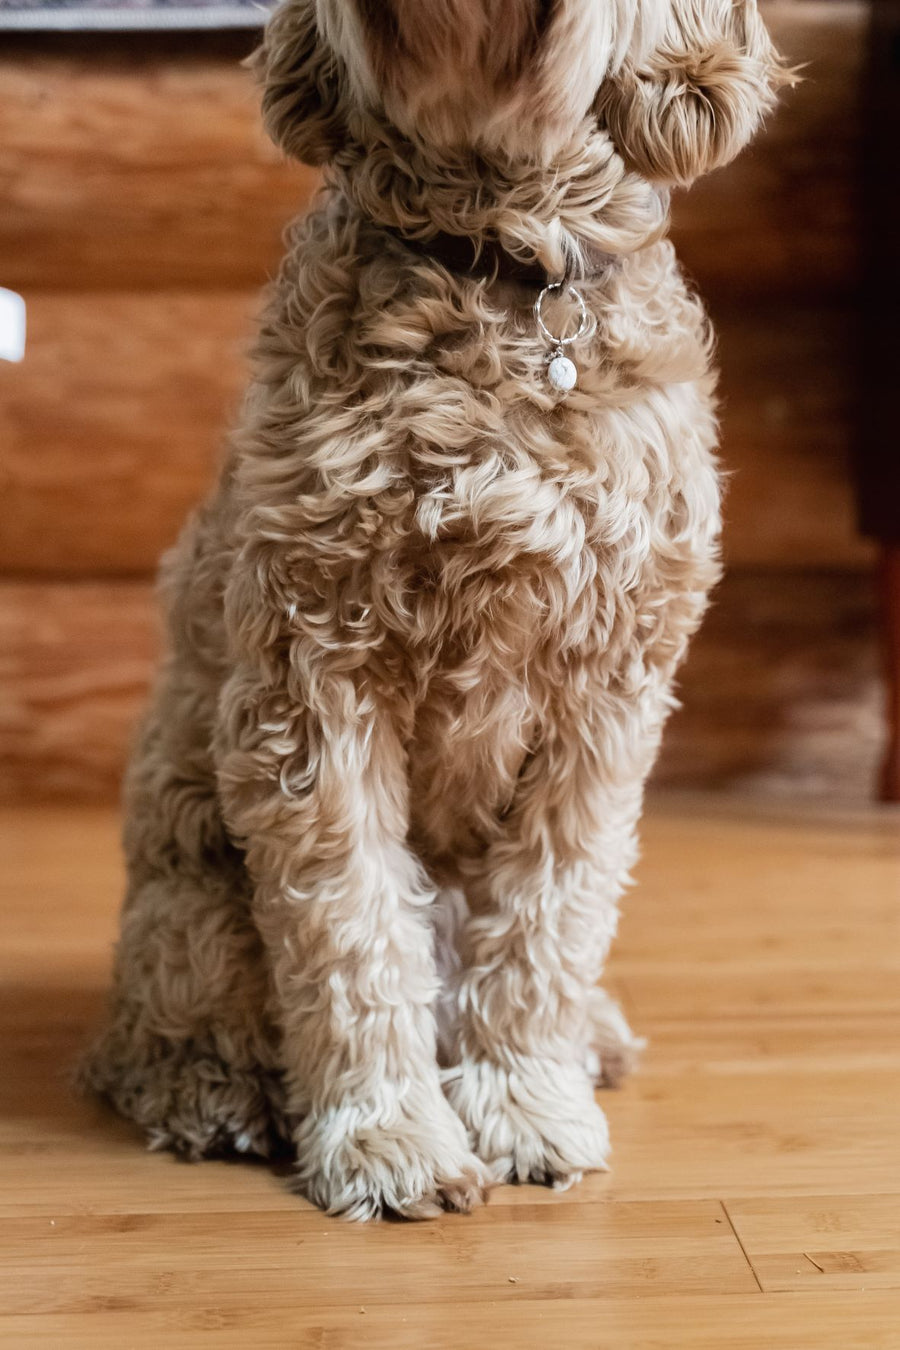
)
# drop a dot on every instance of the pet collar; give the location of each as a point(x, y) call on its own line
point(488, 259)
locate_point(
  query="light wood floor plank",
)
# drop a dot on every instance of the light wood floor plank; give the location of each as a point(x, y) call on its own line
point(582, 1250)
point(824, 1321)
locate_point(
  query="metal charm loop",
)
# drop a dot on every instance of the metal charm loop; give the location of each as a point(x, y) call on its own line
point(561, 372)
point(584, 321)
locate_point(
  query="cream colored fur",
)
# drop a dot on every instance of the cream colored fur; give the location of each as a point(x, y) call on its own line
point(423, 632)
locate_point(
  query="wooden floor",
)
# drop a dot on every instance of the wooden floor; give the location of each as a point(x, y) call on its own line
point(754, 1199)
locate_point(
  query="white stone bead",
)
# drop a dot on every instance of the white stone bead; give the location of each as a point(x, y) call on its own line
point(562, 374)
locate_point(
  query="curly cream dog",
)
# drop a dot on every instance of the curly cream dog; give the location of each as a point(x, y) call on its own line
point(423, 633)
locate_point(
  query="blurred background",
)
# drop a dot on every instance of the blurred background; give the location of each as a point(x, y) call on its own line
point(141, 210)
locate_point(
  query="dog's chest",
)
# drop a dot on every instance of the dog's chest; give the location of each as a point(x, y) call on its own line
point(504, 558)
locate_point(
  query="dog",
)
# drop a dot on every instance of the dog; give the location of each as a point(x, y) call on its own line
point(423, 633)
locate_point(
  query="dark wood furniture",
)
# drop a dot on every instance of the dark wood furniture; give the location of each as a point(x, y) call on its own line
point(878, 457)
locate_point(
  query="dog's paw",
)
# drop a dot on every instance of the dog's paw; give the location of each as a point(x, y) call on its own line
point(530, 1120)
point(361, 1162)
point(187, 1098)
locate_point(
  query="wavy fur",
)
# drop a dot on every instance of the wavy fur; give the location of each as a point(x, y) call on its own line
point(423, 633)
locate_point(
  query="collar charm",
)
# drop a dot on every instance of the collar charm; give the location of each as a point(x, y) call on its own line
point(562, 373)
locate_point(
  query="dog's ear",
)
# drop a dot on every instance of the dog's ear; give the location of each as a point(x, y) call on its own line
point(301, 96)
point(693, 100)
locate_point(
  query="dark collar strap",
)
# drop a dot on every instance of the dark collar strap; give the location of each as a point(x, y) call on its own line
point(457, 252)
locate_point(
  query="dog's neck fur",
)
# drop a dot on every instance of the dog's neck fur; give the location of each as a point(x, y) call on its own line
point(557, 220)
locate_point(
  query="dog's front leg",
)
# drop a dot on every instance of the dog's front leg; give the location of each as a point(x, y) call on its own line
point(317, 793)
point(545, 910)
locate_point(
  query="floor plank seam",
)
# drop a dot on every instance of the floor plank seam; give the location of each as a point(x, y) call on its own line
point(737, 1238)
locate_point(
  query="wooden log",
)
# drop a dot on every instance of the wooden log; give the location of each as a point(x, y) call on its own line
point(111, 428)
point(75, 663)
point(788, 407)
point(141, 164)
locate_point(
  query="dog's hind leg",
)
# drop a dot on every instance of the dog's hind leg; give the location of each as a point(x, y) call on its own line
point(187, 1051)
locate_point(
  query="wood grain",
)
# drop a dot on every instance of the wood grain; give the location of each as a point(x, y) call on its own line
point(133, 164)
point(111, 427)
point(832, 1242)
point(117, 417)
point(720, 1227)
point(75, 664)
point(542, 1246)
point(818, 1321)
point(788, 418)
point(139, 163)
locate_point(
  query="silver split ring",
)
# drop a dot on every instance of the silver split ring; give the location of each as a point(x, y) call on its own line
point(584, 321)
